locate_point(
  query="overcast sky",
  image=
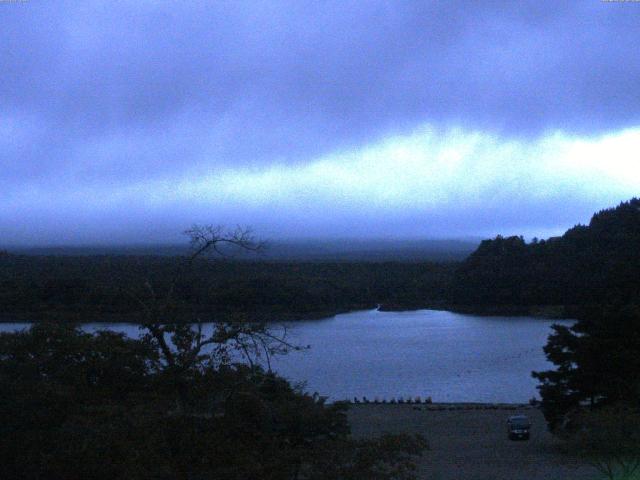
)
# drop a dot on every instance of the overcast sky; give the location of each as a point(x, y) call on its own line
point(128, 121)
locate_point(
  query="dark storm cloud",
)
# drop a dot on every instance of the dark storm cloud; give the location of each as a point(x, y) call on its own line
point(256, 81)
point(114, 93)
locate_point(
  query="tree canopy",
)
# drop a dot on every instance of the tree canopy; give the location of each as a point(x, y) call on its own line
point(597, 363)
point(596, 264)
point(75, 405)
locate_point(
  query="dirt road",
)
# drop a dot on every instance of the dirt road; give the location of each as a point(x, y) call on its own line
point(472, 444)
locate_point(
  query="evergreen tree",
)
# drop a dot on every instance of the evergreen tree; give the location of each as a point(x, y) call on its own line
point(597, 363)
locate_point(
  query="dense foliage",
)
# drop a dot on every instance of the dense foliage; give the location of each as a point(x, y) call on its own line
point(85, 288)
point(592, 398)
point(75, 405)
point(596, 264)
point(597, 363)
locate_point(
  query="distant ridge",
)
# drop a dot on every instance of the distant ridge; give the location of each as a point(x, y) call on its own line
point(294, 250)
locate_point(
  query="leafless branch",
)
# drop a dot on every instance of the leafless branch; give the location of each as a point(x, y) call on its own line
point(185, 348)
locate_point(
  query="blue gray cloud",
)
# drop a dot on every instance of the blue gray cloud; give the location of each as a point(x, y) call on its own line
point(124, 98)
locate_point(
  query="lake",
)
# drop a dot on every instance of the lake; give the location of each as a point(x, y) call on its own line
point(447, 356)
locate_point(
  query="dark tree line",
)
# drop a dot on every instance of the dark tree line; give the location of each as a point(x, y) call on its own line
point(85, 288)
point(597, 264)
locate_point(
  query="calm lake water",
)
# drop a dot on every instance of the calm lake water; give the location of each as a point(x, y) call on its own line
point(444, 355)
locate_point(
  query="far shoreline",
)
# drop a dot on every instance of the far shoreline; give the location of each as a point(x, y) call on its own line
point(546, 312)
point(559, 312)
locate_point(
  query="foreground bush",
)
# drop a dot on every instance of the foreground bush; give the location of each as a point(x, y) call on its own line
point(75, 405)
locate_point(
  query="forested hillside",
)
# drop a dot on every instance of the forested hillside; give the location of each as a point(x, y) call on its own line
point(588, 265)
point(594, 264)
point(110, 287)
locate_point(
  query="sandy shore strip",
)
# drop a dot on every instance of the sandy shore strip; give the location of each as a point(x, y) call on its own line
point(469, 441)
